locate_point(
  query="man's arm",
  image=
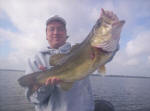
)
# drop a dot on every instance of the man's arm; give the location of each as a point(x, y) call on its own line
point(44, 92)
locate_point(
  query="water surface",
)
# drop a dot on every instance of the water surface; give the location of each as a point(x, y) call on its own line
point(126, 94)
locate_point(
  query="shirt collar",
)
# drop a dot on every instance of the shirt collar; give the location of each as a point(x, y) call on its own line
point(63, 49)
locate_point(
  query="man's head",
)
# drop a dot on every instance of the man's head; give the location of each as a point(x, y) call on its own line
point(56, 32)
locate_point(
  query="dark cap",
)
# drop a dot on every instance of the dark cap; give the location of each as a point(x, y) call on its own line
point(56, 18)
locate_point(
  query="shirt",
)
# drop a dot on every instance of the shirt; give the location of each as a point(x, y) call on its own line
point(53, 98)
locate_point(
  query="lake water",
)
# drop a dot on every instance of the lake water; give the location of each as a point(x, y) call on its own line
point(126, 94)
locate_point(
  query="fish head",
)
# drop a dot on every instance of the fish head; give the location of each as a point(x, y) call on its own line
point(105, 30)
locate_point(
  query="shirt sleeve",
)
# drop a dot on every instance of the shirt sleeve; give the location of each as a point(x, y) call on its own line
point(40, 96)
point(43, 93)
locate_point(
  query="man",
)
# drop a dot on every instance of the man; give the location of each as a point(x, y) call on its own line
point(50, 97)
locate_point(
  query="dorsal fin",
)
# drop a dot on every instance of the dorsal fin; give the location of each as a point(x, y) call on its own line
point(75, 47)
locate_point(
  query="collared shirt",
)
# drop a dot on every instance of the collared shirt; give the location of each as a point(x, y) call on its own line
point(48, 98)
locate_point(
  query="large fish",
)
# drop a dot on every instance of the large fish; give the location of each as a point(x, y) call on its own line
point(82, 60)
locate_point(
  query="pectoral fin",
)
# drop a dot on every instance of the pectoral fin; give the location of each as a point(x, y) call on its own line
point(102, 70)
point(66, 86)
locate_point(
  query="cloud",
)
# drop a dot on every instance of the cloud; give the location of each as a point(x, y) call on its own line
point(122, 64)
point(140, 45)
point(132, 62)
point(134, 59)
point(148, 58)
point(29, 18)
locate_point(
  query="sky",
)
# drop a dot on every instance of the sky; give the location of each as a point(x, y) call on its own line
point(22, 30)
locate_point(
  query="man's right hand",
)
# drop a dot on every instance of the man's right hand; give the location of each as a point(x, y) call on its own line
point(50, 80)
point(42, 68)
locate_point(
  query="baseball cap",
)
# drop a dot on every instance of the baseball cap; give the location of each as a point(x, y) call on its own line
point(56, 18)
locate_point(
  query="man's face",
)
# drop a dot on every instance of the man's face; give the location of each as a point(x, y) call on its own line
point(56, 34)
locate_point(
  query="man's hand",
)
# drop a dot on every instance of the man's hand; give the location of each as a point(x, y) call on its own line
point(42, 68)
point(110, 15)
point(52, 81)
point(116, 25)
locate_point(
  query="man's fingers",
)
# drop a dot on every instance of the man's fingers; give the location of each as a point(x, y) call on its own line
point(102, 12)
point(55, 81)
point(42, 68)
point(47, 81)
point(52, 80)
point(109, 14)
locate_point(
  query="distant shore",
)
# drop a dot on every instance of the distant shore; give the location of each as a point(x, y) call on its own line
point(12, 70)
point(121, 76)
